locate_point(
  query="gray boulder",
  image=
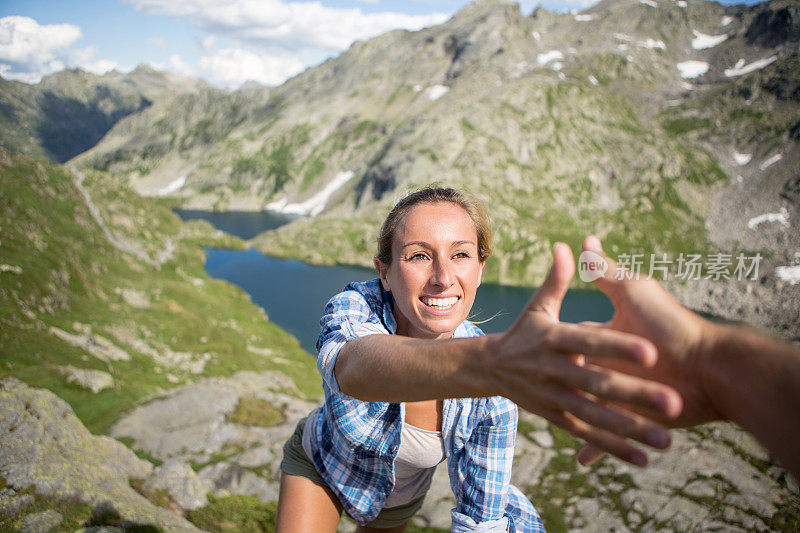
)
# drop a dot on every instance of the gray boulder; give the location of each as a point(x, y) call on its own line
point(180, 481)
point(190, 423)
point(93, 380)
point(43, 445)
point(11, 503)
point(41, 522)
point(227, 478)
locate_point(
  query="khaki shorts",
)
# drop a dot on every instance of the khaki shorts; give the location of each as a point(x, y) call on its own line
point(296, 462)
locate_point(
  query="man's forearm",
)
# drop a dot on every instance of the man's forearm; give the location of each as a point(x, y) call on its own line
point(754, 381)
point(393, 368)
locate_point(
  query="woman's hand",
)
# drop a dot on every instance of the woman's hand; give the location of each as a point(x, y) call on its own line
point(545, 366)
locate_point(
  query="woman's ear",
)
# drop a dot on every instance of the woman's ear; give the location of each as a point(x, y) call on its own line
point(383, 272)
point(480, 273)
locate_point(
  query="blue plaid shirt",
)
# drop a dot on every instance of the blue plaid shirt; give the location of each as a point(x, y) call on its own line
point(354, 443)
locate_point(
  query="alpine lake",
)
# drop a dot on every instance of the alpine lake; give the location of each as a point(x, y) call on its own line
point(294, 293)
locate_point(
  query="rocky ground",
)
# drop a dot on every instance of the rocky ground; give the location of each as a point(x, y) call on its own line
point(47, 453)
point(194, 444)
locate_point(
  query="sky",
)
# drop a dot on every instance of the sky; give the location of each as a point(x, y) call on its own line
point(224, 42)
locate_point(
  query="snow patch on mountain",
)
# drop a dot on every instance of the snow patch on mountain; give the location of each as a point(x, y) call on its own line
point(314, 205)
point(740, 68)
point(702, 41)
point(692, 69)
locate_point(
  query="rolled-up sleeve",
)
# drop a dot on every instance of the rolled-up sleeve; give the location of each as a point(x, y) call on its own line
point(465, 524)
point(347, 316)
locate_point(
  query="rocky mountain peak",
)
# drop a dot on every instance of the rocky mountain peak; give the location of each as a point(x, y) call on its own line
point(775, 24)
point(483, 7)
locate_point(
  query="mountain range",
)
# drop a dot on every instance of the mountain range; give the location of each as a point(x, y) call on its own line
point(665, 127)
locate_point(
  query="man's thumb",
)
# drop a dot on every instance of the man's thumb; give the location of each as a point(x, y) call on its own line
point(597, 267)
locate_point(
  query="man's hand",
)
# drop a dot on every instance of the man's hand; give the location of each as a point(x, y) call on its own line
point(548, 368)
point(644, 308)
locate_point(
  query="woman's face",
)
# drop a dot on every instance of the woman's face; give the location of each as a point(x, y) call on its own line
point(435, 271)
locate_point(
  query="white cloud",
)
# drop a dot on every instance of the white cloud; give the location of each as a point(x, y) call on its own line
point(271, 40)
point(23, 40)
point(85, 60)
point(29, 50)
point(290, 25)
point(231, 67)
point(7, 72)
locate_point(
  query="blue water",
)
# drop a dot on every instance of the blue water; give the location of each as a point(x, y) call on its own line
point(294, 293)
point(243, 224)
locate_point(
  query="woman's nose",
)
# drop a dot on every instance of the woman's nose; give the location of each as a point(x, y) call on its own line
point(442, 275)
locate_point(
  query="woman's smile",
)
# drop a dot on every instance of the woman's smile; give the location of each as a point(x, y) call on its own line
point(440, 303)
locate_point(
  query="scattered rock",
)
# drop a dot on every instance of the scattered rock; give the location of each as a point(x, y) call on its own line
point(14, 269)
point(11, 503)
point(93, 380)
point(227, 478)
point(188, 362)
point(181, 483)
point(260, 351)
point(543, 438)
point(537, 422)
point(189, 421)
point(41, 522)
point(709, 464)
point(190, 424)
point(98, 346)
point(133, 297)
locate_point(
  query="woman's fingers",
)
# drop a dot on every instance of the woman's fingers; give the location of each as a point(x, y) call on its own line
point(597, 342)
point(611, 386)
point(608, 418)
point(598, 439)
point(544, 397)
point(589, 454)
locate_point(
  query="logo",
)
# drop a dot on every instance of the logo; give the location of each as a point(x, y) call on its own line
point(591, 266)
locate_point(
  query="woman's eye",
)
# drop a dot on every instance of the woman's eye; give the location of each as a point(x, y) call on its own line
point(461, 255)
point(418, 257)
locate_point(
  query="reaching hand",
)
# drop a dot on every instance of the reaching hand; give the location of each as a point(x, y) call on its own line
point(548, 367)
point(644, 308)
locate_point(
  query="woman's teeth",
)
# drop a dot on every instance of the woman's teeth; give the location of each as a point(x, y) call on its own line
point(440, 303)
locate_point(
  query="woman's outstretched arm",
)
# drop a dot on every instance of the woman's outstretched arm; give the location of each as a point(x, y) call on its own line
point(537, 364)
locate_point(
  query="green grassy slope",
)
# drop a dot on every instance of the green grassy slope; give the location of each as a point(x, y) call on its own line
point(60, 271)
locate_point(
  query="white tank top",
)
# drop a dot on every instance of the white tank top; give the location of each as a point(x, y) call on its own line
point(419, 453)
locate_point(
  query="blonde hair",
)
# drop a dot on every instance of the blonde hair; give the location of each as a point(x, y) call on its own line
point(432, 195)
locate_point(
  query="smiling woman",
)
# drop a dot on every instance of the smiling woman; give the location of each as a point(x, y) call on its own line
point(410, 383)
point(439, 261)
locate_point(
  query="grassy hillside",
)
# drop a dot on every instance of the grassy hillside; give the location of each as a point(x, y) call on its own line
point(71, 298)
